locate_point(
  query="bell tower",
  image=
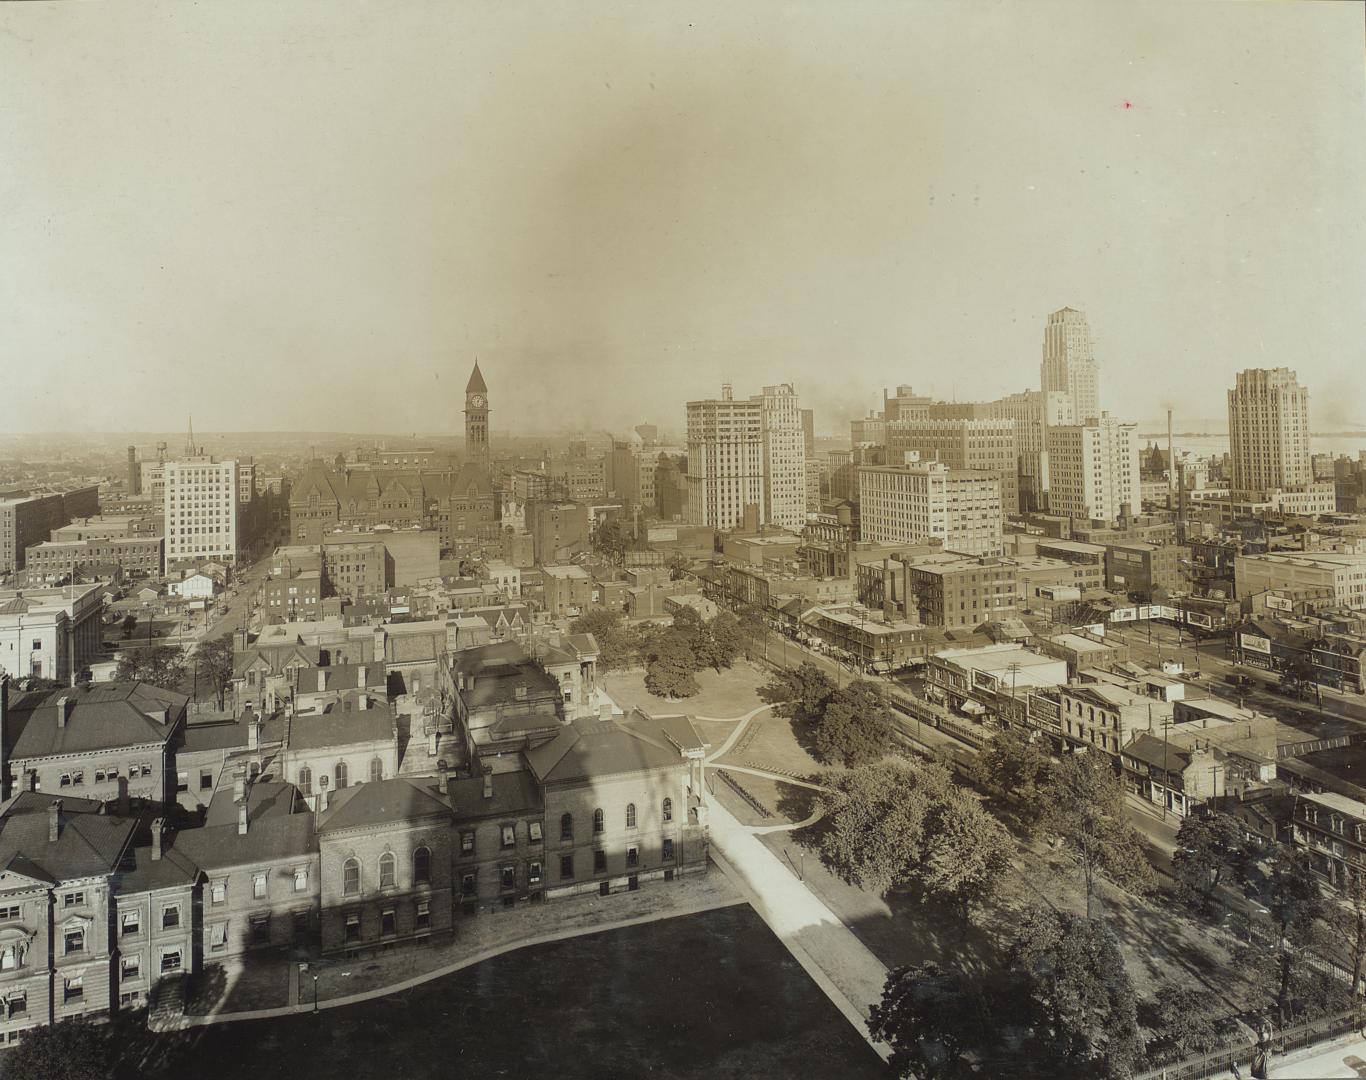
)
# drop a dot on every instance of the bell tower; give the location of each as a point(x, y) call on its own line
point(477, 419)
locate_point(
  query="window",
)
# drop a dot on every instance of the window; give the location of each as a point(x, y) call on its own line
point(599, 862)
point(376, 769)
point(533, 831)
point(132, 923)
point(73, 989)
point(170, 916)
point(258, 885)
point(170, 959)
point(73, 899)
point(301, 879)
point(422, 866)
point(300, 925)
point(74, 940)
point(16, 1004)
point(422, 916)
point(668, 809)
point(509, 877)
point(218, 936)
point(668, 850)
point(467, 885)
point(509, 836)
point(130, 967)
point(205, 779)
point(630, 815)
point(340, 774)
point(182, 781)
point(467, 843)
point(306, 780)
point(597, 822)
point(633, 856)
point(386, 870)
point(350, 877)
point(218, 892)
point(352, 927)
point(566, 826)
point(533, 873)
point(566, 867)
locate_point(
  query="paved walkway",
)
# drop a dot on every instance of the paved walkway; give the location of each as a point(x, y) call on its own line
point(770, 774)
point(740, 722)
point(689, 896)
point(841, 965)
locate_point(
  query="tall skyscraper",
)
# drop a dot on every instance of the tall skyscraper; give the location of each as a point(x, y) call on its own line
point(1093, 470)
point(477, 419)
point(201, 511)
point(1268, 431)
point(747, 453)
point(1069, 363)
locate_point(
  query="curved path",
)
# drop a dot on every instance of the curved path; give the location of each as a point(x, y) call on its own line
point(791, 826)
point(782, 778)
point(741, 724)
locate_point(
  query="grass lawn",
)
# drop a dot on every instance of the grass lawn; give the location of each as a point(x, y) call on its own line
point(770, 742)
point(713, 995)
point(729, 693)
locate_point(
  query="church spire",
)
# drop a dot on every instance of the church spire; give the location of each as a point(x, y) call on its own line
point(189, 439)
point(476, 383)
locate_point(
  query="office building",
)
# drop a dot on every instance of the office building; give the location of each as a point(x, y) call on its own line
point(1093, 470)
point(1268, 431)
point(923, 502)
point(201, 511)
point(27, 519)
point(1069, 363)
point(962, 442)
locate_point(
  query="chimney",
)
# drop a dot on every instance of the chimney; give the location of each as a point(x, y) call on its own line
point(488, 783)
point(322, 679)
point(605, 710)
point(443, 781)
point(519, 693)
point(54, 820)
point(64, 706)
point(253, 731)
point(239, 785)
point(242, 819)
point(363, 702)
point(360, 677)
point(157, 825)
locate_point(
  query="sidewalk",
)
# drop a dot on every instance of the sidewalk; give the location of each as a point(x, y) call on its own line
point(841, 965)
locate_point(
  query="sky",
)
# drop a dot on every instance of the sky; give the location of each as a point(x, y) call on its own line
point(315, 216)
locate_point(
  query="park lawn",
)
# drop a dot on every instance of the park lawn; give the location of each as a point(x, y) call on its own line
point(723, 695)
point(772, 742)
point(784, 802)
point(712, 996)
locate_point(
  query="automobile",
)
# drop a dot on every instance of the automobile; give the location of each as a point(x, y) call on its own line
point(108, 646)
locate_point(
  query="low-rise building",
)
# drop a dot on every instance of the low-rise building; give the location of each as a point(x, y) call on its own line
point(56, 560)
point(50, 633)
point(874, 643)
point(1143, 570)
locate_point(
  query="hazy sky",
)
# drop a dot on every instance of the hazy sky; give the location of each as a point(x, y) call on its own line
point(285, 215)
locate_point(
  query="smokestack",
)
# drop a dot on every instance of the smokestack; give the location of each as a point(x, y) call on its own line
point(157, 825)
point(1171, 460)
point(242, 819)
point(443, 779)
point(54, 820)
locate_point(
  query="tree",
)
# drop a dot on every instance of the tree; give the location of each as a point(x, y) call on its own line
point(69, 1050)
point(1298, 675)
point(853, 728)
point(1209, 849)
point(1016, 765)
point(930, 1020)
point(669, 670)
point(1084, 1014)
point(721, 643)
point(966, 853)
point(161, 665)
point(679, 565)
point(1296, 904)
point(753, 632)
point(1084, 807)
point(129, 622)
point(800, 693)
point(214, 660)
point(1347, 917)
point(877, 817)
point(617, 644)
point(612, 539)
point(1187, 1019)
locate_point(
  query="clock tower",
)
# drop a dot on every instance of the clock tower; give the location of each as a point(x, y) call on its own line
point(477, 419)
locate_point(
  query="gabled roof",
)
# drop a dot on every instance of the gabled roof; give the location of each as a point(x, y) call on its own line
point(103, 716)
point(89, 843)
point(513, 793)
point(1152, 751)
point(384, 802)
point(336, 727)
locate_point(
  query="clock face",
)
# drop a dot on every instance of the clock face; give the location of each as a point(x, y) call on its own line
point(477, 401)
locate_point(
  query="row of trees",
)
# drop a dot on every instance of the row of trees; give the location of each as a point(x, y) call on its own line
point(672, 655)
point(849, 726)
point(169, 666)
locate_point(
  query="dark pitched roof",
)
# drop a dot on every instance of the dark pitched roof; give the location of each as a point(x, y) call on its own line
point(476, 383)
point(383, 802)
point(317, 731)
point(103, 716)
point(89, 843)
point(1153, 751)
point(274, 829)
point(142, 873)
point(513, 793)
point(220, 735)
point(594, 747)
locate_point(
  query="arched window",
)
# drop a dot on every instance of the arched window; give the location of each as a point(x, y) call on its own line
point(422, 866)
point(376, 769)
point(597, 821)
point(386, 870)
point(668, 809)
point(566, 826)
point(306, 780)
point(630, 815)
point(340, 773)
point(350, 877)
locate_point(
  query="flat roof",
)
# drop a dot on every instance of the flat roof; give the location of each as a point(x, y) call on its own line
point(997, 659)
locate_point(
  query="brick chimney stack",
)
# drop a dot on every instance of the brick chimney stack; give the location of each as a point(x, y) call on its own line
point(54, 821)
point(488, 783)
point(443, 781)
point(158, 824)
point(64, 706)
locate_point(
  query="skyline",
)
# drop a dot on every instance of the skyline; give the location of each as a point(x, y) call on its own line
point(616, 214)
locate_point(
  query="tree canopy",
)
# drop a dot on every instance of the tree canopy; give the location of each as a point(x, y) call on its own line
point(1210, 850)
point(68, 1050)
point(853, 728)
point(670, 666)
point(160, 665)
point(799, 693)
point(214, 661)
point(930, 1019)
point(1016, 766)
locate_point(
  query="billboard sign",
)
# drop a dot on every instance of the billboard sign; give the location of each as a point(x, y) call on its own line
point(1255, 643)
point(1124, 614)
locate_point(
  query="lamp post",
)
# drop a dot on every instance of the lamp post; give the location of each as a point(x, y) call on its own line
point(315, 993)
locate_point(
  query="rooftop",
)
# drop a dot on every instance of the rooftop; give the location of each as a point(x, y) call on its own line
point(101, 716)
